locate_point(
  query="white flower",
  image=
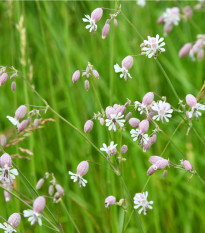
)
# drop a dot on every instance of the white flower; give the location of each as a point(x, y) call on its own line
point(7, 228)
point(7, 175)
point(153, 46)
point(141, 3)
point(92, 25)
point(140, 200)
point(78, 178)
point(13, 120)
point(110, 150)
point(172, 16)
point(124, 72)
point(195, 110)
point(142, 108)
point(136, 133)
point(33, 217)
point(114, 121)
point(162, 110)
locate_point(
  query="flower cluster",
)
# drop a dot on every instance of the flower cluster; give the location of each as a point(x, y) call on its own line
point(87, 73)
point(195, 107)
point(4, 77)
point(194, 49)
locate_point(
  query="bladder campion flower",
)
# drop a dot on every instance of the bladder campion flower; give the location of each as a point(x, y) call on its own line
point(153, 46)
point(127, 64)
point(110, 200)
point(162, 111)
point(82, 170)
point(195, 107)
point(116, 120)
point(140, 200)
point(110, 150)
point(14, 221)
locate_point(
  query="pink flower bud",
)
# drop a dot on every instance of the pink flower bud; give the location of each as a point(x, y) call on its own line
point(102, 121)
point(35, 123)
point(147, 145)
point(187, 165)
point(161, 164)
point(3, 140)
point(144, 126)
point(191, 100)
point(153, 159)
point(200, 54)
point(184, 51)
point(20, 112)
point(153, 138)
point(151, 170)
point(149, 117)
point(127, 62)
point(23, 125)
point(87, 85)
point(167, 28)
point(76, 76)
point(148, 98)
point(13, 86)
point(51, 190)
point(188, 12)
point(96, 15)
point(60, 189)
point(82, 168)
point(3, 78)
point(88, 126)
point(122, 109)
point(5, 160)
point(13, 76)
point(197, 46)
point(115, 106)
point(110, 200)
point(39, 204)
point(40, 183)
point(165, 174)
point(124, 149)
point(107, 21)
point(127, 117)
point(14, 219)
point(7, 196)
point(134, 122)
point(109, 110)
point(106, 30)
point(96, 74)
point(115, 22)
point(160, 20)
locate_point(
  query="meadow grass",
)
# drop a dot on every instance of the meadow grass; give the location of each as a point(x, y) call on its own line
point(57, 44)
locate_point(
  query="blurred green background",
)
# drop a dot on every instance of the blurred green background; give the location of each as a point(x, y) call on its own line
point(57, 44)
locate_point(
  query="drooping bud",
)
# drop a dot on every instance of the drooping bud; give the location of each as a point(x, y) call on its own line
point(35, 123)
point(167, 28)
point(51, 190)
point(160, 20)
point(105, 30)
point(109, 201)
point(127, 117)
point(151, 170)
point(148, 98)
point(76, 76)
point(115, 22)
point(124, 149)
point(184, 51)
point(127, 62)
point(23, 125)
point(200, 54)
point(7, 196)
point(87, 85)
point(153, 138)
point(88, 126)
point(109, 110)
point(20, 112)
point(102, 121)
point(121, 108)
point(191, 100)
point(150, 116)
point(97, 14)
point(165, 174)
point(39, 204)
point(134, 122)
point(161, 164)
point(5, 160)
point(187, 165)
point(153, 159)
point(3, 78)
point(144, 126)
point(60, 189)
point(96, 74)
point(13, 86)
point(198, 45)
point(82, 168)
point(14, 219)
point(188, 12)
point(40, 183)
point(3, 140)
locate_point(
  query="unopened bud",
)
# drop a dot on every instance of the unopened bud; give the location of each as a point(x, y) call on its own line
point(191, 100)
point(5, 160)
point(39, 204)
point(82, 168)
point(3, 140)
point(7, 196)
point(109, 201)
point(76, 76)
point(13, 86)
point(127, 117)
point(184, 51)
point(23, 125)
point(51, 190)
point(134, 122)
point(3, 78)
point(115, 22)
point(88, 126)
point(124, 149)
point(127, 62)
point(60, 189)
point(87, 85)
point(144, 126)
point(35, 123)
point(14, 219)
point(40, 183)
point(96, 15)
point(148, 98)
point(20, 112)
point(96, 74)
point(105, 30)
point(102, 121)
